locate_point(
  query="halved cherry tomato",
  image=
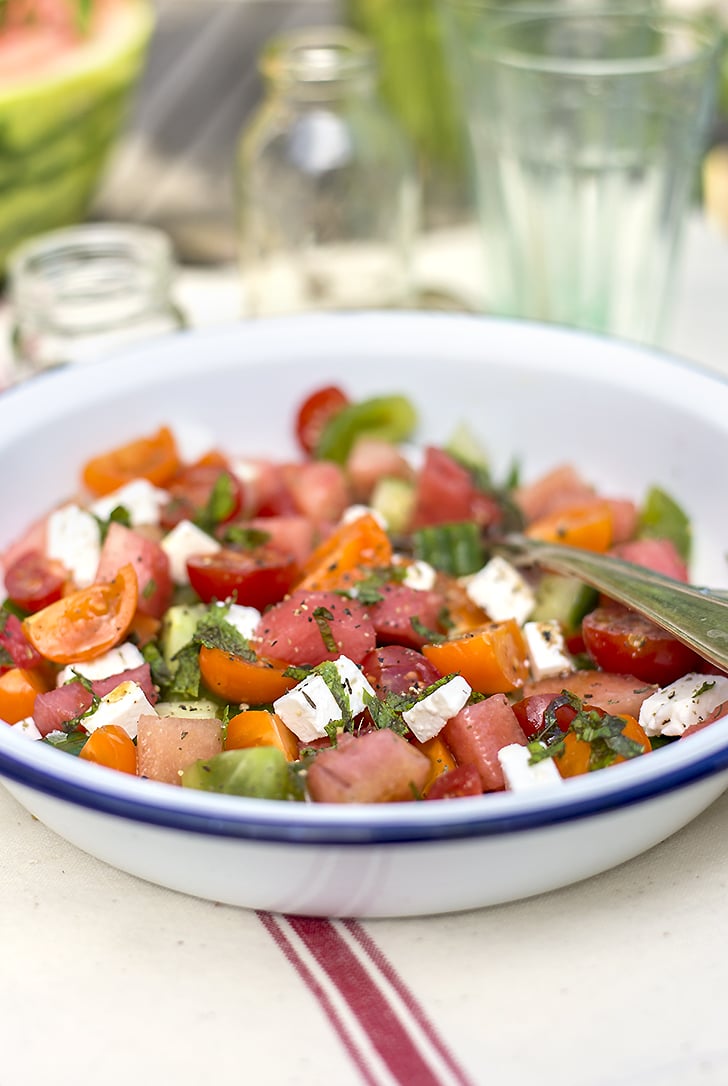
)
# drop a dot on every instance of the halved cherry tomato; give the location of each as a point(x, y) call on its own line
point(19, 688)
point(154, 458)
point(315, 412)
point(260, 728)
point(257, 682)
point(440, 757)
point(87, 622)
point(622, 641)
point(191, 490)
point(345, 556)
point(34, 581)
point(589, 525)
point(493, 658)
point(112, 747)
point(255, 578)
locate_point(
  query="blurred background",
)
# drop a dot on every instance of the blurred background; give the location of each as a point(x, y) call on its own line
point(174, 165)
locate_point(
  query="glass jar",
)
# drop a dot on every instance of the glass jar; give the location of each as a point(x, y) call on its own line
point(326, 185)
point(78, 293)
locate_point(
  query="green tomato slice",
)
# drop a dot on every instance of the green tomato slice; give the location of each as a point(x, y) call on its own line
point(391, 418)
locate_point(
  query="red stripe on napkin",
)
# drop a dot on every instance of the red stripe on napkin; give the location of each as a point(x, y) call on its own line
point(326, 1005)
point(389, 1038)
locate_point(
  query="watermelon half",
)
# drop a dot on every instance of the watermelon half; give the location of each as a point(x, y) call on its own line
point(62, 103)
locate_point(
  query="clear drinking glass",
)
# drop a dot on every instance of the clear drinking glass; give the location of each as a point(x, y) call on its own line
point(78, 293)
point(587, 128)
point(327, 191)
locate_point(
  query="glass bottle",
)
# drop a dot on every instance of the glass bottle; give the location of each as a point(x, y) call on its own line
point(78, 293)
point(326, 185)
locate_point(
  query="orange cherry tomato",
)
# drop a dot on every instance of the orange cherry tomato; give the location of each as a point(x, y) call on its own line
point(577, 752)
point(346, 554)
point(154, 458)
point(18, 690)
point(589, 525)
point(440, 757)
point(492, 658)
point(87, 622)
point(257, 682)
point(111, 746)
point(260, 728)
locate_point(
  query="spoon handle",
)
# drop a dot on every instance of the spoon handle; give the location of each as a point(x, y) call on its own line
point(695, 616)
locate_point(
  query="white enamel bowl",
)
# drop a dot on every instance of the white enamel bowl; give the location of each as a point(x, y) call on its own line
point(626, 416)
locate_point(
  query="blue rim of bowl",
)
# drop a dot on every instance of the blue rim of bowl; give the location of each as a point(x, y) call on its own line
point(286, 823)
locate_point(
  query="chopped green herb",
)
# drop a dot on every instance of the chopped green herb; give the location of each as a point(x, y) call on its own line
point(322, 617)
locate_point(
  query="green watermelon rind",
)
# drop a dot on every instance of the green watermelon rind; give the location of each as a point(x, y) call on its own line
point(56, 131)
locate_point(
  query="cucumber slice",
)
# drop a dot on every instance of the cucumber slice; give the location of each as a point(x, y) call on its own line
point(465, 447)
point(200, 709)
point(564, 599)
point(178, 627)
point(394, 499)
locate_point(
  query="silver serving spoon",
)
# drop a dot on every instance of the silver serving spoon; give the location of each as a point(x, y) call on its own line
point(696, 616)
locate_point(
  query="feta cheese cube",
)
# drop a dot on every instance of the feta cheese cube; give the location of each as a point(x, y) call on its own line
point(122, 706)
point(26, 728)
point(420, 575)
point(354, 512)
point(308, 708)
point(142, 501)
point(501, 591)
point(356, 684)
point(688, 701)
point(185, 540)
point(520, 775)
point(244, 619)
point(122, 658)
point(430, 714)
point(74, 539)
point(546, 649)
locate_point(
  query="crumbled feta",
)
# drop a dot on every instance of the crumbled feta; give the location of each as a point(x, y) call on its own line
point(430, 714)
point(683, 703)
point(122, 706)
point(26, 728)
point(354, 512)
point(244, 619)
point(420, 575)
point(501, 591)
point(122, 658)
point(520, 775)
point(546, 649)
point(310, 706)
point(73, 537)
point(142, 501)
point(247, 471)
point(184, 541)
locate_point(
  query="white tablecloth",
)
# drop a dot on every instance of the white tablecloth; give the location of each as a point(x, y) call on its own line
point(617, 980)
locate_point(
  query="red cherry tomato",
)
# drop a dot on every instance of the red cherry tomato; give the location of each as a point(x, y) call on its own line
point(399, 669)
point(315, 412)
point(191, 490)
point(255, 578)
point(34, 581)
point(620, 640)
